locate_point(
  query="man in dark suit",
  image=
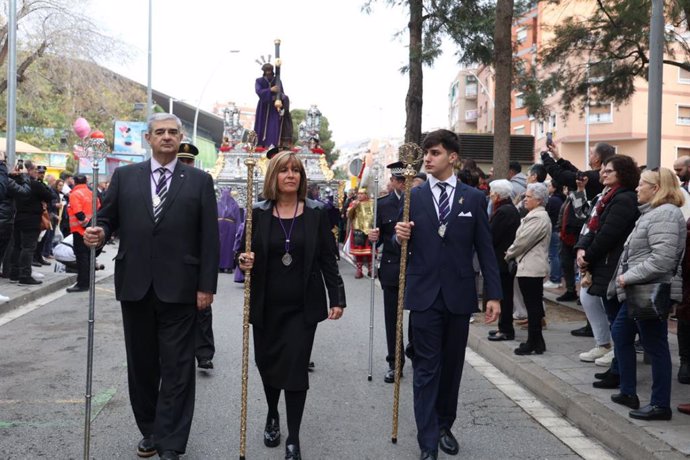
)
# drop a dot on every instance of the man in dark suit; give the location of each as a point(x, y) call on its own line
point(448, 224)
point(388, 210)
point(166, 268)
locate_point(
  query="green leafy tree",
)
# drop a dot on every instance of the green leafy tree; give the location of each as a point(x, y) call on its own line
point(599, 57)
point(325, 134)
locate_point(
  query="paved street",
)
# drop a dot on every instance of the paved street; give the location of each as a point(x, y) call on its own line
point(42, 369)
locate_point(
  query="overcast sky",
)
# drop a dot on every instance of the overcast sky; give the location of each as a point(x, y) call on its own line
point(333, 55)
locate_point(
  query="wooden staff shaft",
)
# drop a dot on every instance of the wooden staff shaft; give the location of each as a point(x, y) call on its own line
point(409, 176)
point(250, 162)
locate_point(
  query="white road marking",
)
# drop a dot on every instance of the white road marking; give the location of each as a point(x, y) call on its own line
point(560, 427)
point(31, 306)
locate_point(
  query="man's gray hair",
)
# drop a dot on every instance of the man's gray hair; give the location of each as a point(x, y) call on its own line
point(539, 192)
point(502, 188)
point(162, 116)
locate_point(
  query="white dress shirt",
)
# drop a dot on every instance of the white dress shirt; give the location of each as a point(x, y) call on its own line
point(155, 175)
point(452, 182)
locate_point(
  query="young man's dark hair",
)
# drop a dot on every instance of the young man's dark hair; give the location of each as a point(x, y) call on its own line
point(80, 179)
point(539, 171)
point(515, 166)
point(448, 139)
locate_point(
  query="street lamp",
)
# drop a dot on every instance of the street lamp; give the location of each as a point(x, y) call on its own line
point(201, 96)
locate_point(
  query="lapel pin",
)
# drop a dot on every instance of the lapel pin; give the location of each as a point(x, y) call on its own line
point(461, 200)
point(181, 175)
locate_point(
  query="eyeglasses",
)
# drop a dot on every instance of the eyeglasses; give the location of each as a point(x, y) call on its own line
point(608, 171)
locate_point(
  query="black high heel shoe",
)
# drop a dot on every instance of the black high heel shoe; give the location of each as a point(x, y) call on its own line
point(272, 432)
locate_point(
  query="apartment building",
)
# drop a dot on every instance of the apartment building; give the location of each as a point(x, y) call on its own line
point(623, 126)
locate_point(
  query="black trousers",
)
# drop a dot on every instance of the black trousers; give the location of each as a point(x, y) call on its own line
point(205, 345)
point(684, 340)
point(159, 340)
point(24, 245)
point(532, 289)
point(568, 255)
point(505, 322)
point(390, 318)
point(6, 230)
point(82, 253)
point(439, 339)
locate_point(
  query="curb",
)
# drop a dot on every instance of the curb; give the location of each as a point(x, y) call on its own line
point(44, 290)
point(592, 417)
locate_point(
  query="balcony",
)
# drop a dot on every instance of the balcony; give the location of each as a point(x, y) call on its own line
point(471, 91)
point(471, 116)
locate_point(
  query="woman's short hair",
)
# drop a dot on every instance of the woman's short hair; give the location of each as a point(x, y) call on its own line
point(539, 192)
point(278, 162)
point(627, 172)
point(502, 188)
point(669, 187)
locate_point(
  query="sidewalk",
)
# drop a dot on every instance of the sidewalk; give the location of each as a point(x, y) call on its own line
point(559, 378)
point(52, 282)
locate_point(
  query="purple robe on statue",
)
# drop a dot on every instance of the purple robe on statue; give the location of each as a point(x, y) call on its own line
point(228, 221)
point(271, 128)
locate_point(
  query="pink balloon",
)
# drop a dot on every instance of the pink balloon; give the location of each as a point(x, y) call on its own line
point(81, 127)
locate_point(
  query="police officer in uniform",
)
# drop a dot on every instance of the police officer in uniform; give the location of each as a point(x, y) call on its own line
point(205, 346)
point(388, 210)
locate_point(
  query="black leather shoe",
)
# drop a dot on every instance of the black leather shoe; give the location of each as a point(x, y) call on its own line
point(428, 455)
point(500, 336)
point(292, 452)
point(448, 443)
point(610, 382)
point(76, 288)
point(409, 351)
point(44, 262)
point(272, 432)
point(567, 297)
point(526, 348)
point(170, 455)
point(602, 375)
point(36, 264)
point(650, 412)
point(205, 364)
point(684, 373)
point(585, 331)
point(29, 281)
point(146, 448)
point(631, 401)
point(390, 375)
point(493, 332)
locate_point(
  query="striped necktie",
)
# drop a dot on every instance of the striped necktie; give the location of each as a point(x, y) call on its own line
point(443, 208)
point(161, 193)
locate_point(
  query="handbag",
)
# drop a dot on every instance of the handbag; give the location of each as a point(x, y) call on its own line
point(647, 301)
point(513, 264)
point(46, 224)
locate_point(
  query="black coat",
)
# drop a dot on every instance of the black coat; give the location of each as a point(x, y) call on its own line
point(565, 173)
point(30, 207)
point(387, 212)
point(604, 247)
point(16, 187)
point(504, 224)
point(319, 258)
point(178, 255)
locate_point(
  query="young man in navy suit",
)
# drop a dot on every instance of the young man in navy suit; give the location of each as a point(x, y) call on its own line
point(448, 224)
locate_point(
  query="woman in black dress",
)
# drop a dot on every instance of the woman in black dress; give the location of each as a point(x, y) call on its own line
point(293, 267)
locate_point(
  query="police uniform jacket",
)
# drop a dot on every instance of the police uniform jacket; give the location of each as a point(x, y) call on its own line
point(387, 216)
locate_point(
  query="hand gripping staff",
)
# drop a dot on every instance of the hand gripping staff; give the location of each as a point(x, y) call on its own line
point(411, 156)
point(250, 162)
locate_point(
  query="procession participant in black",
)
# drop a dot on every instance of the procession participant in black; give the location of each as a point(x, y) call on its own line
point(205, 345)
point(294, 278)
point(447, 225)
point(389, 271)
point(166, 268)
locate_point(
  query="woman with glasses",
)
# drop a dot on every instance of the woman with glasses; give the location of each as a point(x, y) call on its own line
point(649, 262)
point(531, 252)
point(601, 243)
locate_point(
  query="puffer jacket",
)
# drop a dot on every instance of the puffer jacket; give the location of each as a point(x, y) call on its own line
point(16, 187)
point(653, 249)
point(604, 247)
point(531, 245)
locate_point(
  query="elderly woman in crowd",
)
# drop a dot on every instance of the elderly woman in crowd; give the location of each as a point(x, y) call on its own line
point(292, 260)
point(504, 222)
point(649, 262)
point(601, 243)
point(531, 249)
